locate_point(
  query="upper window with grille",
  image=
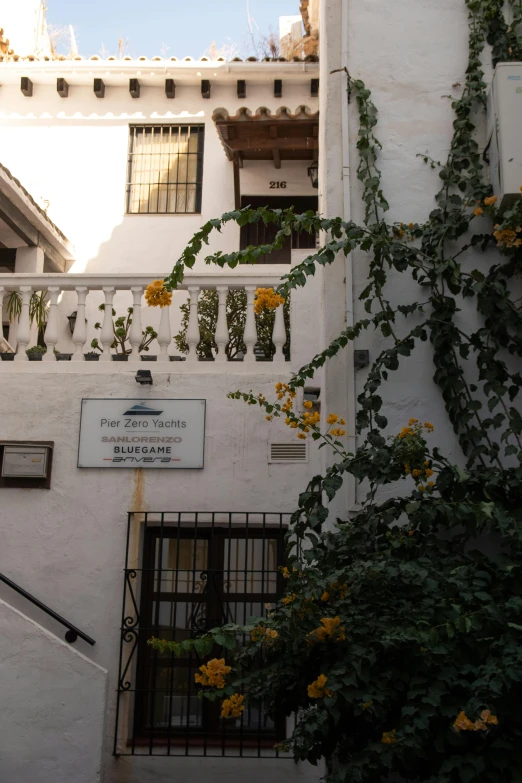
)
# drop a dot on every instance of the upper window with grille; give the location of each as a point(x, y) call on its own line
point(165, 170)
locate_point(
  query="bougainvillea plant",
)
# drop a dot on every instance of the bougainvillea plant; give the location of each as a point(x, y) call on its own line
point(397, 643)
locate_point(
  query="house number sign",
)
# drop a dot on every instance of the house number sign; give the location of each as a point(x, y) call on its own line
point(159, 434)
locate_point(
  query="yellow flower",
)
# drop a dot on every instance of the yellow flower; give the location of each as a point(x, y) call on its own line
point(406, 431)
point(342, 421)
point(421, 488)
point(406, 468)
point(233, 707)
point(278, 386)
point(366, 704)
point(260, 634)
point(301, 435)
point(430, 484)
point(317, 690)
point(213, 673)
point(411, 532)
point(478, 211)
point(307, 404)
point(330, 628)
point(266, 298)
point(388, 737)
point(156, 295)
point(487, 717)
point(490, 201)
point(325, 596)
point(463, 723)
point(332, 418)
point(288, 599)
point(269, 418)
point(428, 426)
point(285, 572)
point(413, 421)
point(416, 473)
point(428, 472)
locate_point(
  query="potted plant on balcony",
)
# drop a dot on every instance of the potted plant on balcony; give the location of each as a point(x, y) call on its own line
point(121, 328)
point(7, 356)
point(236, 317)
point(35, 353)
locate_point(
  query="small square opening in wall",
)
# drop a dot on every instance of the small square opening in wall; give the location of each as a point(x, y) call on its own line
point(296, 451)
point(26, 464)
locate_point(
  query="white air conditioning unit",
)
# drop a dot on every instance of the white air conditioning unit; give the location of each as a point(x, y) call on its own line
point(504, 137)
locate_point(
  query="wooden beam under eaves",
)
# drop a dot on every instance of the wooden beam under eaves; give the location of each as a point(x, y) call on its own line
point(241, 88)
point(170, 88)
point(278, 88)
point(134, 88)
point(26, 86)
point(62, 88)
point(237, 181)
point(314, 88)
point(276, 155)
point(205, 88)
point(99, 88)
point(263, 143)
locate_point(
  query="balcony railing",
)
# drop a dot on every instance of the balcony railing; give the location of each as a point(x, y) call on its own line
point(83, 293)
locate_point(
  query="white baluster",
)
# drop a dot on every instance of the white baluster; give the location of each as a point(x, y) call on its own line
point(51, 330)
point(279, 335)
point(107, 331)
point(24, 325)
point(135, 334)
point(221, 336)
point(192, 336)
point(164, 335)
point(80, 331)
point(250, 334)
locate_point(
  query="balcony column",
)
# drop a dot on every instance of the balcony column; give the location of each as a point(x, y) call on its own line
point(135, 333)
point(192, 336)
point(107, 332)
point(221, 336)
point(24, 325)
point(80, 332)
point(250, 333)
point(51, 329)
point(164, 335)
point(279, 335)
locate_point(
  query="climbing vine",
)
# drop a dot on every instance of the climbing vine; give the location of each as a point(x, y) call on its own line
point(397, 641)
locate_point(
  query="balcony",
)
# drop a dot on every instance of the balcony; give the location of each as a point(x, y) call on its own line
point(68, 340)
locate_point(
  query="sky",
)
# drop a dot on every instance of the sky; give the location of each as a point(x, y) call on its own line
point(169, 28)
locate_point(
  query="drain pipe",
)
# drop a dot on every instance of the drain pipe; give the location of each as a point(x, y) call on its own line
point(347, 214)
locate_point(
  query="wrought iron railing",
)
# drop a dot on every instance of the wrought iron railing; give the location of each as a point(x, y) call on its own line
point(72, 632)
point(185, 573)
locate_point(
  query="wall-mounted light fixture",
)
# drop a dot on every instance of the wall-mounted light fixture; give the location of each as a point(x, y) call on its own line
point(313, 173)
point(144, 377)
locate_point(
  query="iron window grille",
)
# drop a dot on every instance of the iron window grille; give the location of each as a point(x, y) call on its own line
point(196, 571)
point(259, 234)
point(165, 169)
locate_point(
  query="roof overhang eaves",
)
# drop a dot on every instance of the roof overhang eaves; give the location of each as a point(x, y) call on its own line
point(21, 199)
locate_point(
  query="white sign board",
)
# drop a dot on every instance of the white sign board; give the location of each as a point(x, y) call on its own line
point(120, 433)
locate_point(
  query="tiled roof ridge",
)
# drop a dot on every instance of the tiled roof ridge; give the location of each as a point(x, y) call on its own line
point(34, 203)
point(263, 113)
point(96, 58)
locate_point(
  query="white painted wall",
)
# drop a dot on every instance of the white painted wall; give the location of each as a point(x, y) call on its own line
point(53, 706)
point(410, 54)
point(73, 152)
point(66, 545)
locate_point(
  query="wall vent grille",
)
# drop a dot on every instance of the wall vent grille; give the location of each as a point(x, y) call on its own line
point(288, 452)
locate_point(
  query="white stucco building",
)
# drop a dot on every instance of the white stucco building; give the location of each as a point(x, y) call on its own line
point(125, 160)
